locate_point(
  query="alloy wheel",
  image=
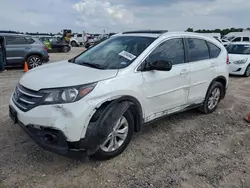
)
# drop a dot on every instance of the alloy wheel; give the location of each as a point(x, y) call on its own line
point(34, 62)
point(214, 98)
point(117, 137)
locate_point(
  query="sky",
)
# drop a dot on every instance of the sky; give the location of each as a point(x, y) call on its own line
point(95, 16)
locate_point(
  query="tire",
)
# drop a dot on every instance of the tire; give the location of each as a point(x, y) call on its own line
point(247, 72)
point(87, 45)
point(34, 61)
point(212, 97)
point(65, 49)
point(102, 153)
point(73, 43)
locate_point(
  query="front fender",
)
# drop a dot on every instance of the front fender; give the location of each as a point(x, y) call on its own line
point(98, 131)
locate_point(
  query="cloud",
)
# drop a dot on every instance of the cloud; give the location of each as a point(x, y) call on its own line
point(120, 15)
point(103, 14)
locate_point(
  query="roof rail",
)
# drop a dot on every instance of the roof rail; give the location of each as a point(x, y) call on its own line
point(146, 31)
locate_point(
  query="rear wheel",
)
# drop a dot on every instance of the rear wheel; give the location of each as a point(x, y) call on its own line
point(247, 72)
point(118, 139)
point(34, 61)
point(213, 98)
point(65, 49)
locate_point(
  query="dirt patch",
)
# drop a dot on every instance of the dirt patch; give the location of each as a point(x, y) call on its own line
point(188, 150)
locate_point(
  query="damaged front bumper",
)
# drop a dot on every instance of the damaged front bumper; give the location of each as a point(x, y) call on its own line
point(56, 141)
point(50, 139)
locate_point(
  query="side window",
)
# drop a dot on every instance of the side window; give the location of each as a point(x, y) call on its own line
point(237, 39)
point(214, 50)
point(79, 35)
point(197, 49)
point(171, 50)
point(17, 40)
point(9, 39)
point(30, 40)
point(246, 39)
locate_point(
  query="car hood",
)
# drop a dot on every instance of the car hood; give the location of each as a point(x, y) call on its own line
point(63, 74)
point(237, 57)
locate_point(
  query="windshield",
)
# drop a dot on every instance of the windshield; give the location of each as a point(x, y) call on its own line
point(229, 38)
point(114, 53)
point(238, 49)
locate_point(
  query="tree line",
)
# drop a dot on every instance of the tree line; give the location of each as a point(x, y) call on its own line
point(221, 31)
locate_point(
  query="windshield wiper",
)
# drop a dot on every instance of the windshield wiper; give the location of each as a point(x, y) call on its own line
point(72, 60)
point(93, 65)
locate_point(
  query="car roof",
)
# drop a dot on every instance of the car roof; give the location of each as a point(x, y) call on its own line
point(12, 34)
point(161, 33)
point(240, 43)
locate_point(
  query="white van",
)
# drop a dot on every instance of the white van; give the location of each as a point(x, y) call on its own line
point(236, 37)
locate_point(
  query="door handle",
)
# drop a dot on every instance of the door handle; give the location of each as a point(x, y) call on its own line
point(184, 71)
point(212, 65)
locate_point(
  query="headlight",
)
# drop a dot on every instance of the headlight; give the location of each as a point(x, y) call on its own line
point(242, 61)
point(67, 95)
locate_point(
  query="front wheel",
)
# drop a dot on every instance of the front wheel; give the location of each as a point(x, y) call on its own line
point(118, 139)
point(212, 99)
point(247, 72)
point(73, 43)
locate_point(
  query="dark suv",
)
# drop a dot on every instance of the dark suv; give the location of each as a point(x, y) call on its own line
point(21, 48)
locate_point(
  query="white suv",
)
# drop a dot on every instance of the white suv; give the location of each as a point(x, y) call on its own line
point(94, 102)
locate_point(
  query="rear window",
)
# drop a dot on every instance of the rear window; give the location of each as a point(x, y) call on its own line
point(214, 50)
point(30, 40)
point(197, 49)
point(238, 49)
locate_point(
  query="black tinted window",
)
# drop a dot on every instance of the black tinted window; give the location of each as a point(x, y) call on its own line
point(16, 40)
point(246, 39)
point(30, 40)
point(238, 49)
point(197, 49)
point(79, 35)
point(214, 50)
point(171, 50)
point(237, 39)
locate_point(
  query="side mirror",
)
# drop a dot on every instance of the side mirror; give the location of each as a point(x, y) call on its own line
point(161, 65)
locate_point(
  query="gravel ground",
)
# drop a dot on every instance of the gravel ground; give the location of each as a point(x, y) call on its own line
point(188, 150)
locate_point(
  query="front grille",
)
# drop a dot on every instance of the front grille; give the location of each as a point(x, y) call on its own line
point(26, 99)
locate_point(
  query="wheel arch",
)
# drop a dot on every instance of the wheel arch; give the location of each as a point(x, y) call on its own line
point(223, 81)
point(135, 108)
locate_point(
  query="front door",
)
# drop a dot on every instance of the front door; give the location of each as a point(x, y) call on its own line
point(16, 49)
point(166, 91)
point(2, 54)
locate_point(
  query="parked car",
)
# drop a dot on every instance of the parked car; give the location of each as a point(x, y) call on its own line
point(78, 39)
point(59, 45)
point(239, 58)
point(46, 41)
point(92, 43)
point(21, 48)
point(240, 37)
point(95, 101)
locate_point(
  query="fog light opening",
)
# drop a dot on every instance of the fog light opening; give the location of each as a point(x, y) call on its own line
point(49, 138)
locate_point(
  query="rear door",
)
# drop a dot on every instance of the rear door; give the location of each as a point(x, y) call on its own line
point(203, 69)
point(16, 48)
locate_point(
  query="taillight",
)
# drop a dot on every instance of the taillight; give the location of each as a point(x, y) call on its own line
point(227, 59)
point(44, 48)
